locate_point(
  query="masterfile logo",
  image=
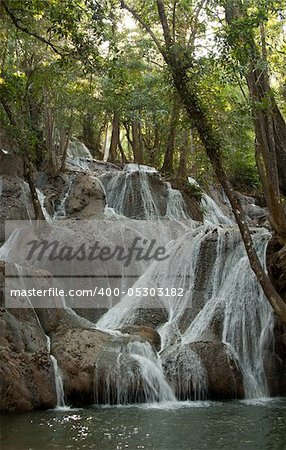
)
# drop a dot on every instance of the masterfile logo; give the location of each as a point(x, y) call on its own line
point(86, 264)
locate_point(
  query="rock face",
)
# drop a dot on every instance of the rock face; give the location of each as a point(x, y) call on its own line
point(27, 381)
point(224, 375)
point(202, 370)
point(275, 362)
point(10, 162)
point(26, 373)
point(86, 198)
point(15, 201)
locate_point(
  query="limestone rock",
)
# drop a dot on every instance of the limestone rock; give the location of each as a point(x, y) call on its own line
point(146, 332)
point(86, 198)
point(15, 201)
point(96, 368)
point(203, 370)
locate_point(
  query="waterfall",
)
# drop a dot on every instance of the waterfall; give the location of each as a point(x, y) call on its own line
point(231, 294)
point(239, 300)
point(129, 194)
point(217, 297)
point(213, 213)
point(136, 376)
point(58, 378)
point(60, 211)
point(77, 149)
point(41, 198)
point(176, 206)
point(26, 194)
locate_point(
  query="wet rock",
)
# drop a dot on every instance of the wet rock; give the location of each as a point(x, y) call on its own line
point(96, 367)
point(224, 375)
point(275, 361)
point(215, 374)
point(86, 198)
point(254, 212)
point(26, 373)
point(27, 381)
point(150, 317)
point(146, 332)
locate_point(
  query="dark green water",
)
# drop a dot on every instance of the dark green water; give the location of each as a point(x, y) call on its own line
point(197, 425)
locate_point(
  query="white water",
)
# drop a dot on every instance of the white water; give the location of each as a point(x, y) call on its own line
point(77, 149)
point(213, 213)
point(137, 369)
point(41, 197)
point(60, 212)
point(139, 168)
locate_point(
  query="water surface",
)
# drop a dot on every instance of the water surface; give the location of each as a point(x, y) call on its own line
point(252, 425)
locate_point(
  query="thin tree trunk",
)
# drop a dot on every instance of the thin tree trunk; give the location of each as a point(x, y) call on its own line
point(114, 137)
point(123, 157)
point(106, 143)
point(169, 155)
point(182, 170)
point(137, 144)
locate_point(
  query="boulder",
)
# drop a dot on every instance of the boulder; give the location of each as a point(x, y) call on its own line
point(203, 370)
point(97, 367)
point(224, 375)
point(27, 381)
point(86, 198)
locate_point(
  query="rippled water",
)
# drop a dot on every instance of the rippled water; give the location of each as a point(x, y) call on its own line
point(259, 424)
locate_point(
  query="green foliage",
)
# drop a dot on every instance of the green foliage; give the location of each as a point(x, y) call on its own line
point(81, 61)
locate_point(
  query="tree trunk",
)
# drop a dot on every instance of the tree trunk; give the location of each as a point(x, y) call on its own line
point(123, 157)
point(182, 170)
point(167, 167)
point(88, 137)
point(114, 137)
point(137, 144)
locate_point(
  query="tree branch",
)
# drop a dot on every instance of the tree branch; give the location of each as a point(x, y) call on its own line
point(144, 25)
point(17, 23)
point(164, 22)
point(174, 20)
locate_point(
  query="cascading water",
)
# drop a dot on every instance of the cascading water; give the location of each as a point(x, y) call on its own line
point(229, 293)
point(221, 299)
point(60, 212)
point(213, 213)
point(41, 197)
point(58, 378)
point(137, 376)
